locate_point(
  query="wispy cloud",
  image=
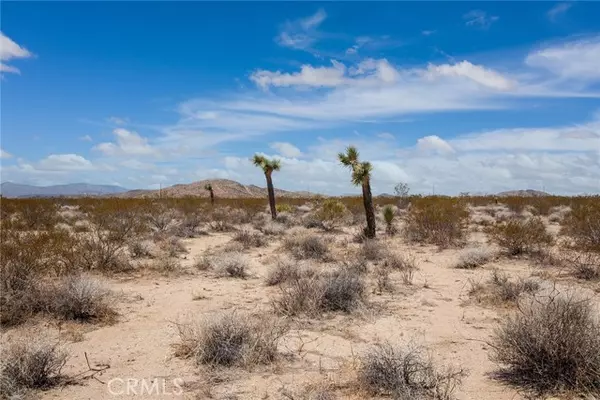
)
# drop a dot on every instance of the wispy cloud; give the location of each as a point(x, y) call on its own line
point(118, 120)
point(10, 50)
point(555, 12)
point(302, 33)
point(479, 19)
point(86, 138)
point(428, 32)
point(5, 154)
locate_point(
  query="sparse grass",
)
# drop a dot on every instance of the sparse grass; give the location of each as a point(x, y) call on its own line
point(30, 363)
point(306, 246)
point(439, 221)
point(551, 345)
point(230, 340)
point(406, 373)
point(250, 239)
point(382, 280)
point(474, 257)
point(521, 236)
point(339, 290)
point(583, 224)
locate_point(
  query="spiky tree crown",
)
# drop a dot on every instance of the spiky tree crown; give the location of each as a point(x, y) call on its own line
point(208, 187)
point(361, 171)
point(265, 164)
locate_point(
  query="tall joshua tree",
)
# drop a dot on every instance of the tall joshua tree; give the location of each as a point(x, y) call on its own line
point(361, 175)
point(268, 166)
point(208, 187)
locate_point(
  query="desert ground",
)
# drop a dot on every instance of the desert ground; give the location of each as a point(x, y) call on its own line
point(150, 300)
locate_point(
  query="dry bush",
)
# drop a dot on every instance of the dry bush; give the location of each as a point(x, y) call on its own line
point(583, 224)
point(331, 214)
point(373, 250)
point(284, 207)
point(233, 264)
point(406, 373)
point(139, 249)
point(521, 236)
point(306, 245)
point(500, 290)
point(189, 226)
point(250, 239)
point(173, 246)
point(339, 290)
point(37, 214)
point(475, 257)
point(357, 265)
point(162, 219)
point(382, 279)
point(286, 270)
point(166, 265)
point(584, 265)
point(79, 298)
point(399, 262)
point(221, 226)
point(550, 345)
point(271, 228)
point(558, 213)
point(231, 340)
point(30, 363)
point(438, 221)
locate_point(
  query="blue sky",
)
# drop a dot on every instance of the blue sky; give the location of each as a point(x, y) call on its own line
point(466, 96)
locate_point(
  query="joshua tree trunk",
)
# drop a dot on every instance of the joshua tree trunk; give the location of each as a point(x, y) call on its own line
point(369, 210)
point(271, 195)
point(212, 198)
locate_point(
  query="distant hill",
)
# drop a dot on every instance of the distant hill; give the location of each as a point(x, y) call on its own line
point(223, 188)
point(10, 189)
point(523, 193)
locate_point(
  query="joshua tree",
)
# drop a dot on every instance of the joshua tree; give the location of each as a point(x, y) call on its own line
point(268, 166)
point(388, 216)
point(208, 187)
point(361, 175)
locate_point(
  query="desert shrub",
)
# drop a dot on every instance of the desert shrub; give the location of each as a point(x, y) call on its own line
point(439, 221)
point(306, 245)
point(474, 257)
point(382, 279)
point(356, 265)
point(286, 270)
point(38, 214)
point(231, 340)
point(162, 219)
point(221, 226)
point(339, 290)
point(166, 265)
point(271, 228)
point(500, 290)
point(189, 226)
point(233, 264)
point(139, 249)
point(172, 246)
point(583, 224)
point(399, 262)
point(250, 239)
point(284, 207)
point(521, 236)
point(406, 373)
point(79, 298)
point(331, 214)
point(552, 344)
point(30, 363)
point(373, 250)
point(389, 213)
point(584, 264)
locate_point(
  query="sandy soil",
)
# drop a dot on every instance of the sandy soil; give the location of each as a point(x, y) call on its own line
point(434, 312)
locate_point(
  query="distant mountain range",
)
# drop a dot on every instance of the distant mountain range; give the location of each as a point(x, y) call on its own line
point(9, 189)
point(223, 188)
point(523, 193)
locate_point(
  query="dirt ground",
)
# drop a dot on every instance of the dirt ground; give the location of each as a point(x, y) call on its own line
point(434, 311)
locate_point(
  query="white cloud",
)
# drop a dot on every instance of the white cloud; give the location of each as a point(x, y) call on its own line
point(286, 149)
point(576, 59)
point(86, 138)
point(5, 154)
point(308, 76)
point(65, 162)
point(358, 44)
point(558, 10)
point(301, 34)
point(434, 144)
point(127, 143)
point(428, 32)
point(477, 73)
point(10, 50)
point(480, 19)
point(386, 136)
